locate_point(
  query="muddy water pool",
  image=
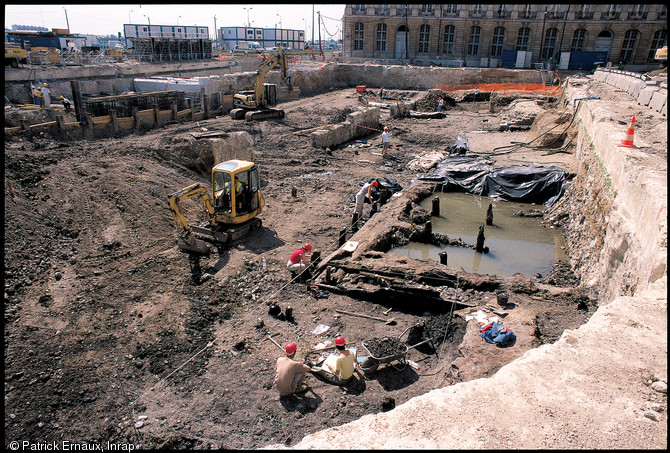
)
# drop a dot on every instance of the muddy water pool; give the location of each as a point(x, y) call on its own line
point(516, 243)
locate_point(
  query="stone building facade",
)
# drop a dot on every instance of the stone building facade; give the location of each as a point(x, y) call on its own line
point(509, 35)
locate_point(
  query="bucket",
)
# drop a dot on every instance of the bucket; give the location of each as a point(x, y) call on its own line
point(503, 297)
point(360, 89)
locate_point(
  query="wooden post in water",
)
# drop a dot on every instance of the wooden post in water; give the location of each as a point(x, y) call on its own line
point(443, 258)
point(479, 246)
point(489, 215)
point(435, 212)
point(429, 229)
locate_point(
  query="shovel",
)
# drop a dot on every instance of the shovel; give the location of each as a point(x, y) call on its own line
point(388, 321)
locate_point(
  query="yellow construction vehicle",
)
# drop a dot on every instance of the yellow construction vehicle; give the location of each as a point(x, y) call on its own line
point(253, 105)
point(14, 55)
point(233, 207)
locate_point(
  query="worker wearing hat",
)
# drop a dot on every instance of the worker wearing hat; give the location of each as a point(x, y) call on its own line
point(66, 103)
point(290, 373)
point(300, 259)
point(338, 368)
point(369, 193)
point(385, 140)
point(46, 92)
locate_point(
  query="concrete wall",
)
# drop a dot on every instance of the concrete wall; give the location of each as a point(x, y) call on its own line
point(229, 77)
point(357, 124)
point(651, 93)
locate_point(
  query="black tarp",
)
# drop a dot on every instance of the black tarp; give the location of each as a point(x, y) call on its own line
point(523, 183)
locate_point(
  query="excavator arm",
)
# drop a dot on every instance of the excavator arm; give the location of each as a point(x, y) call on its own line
point(187, 241)
point(278, 57)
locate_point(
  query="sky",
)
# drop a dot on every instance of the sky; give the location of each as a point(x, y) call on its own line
point(105, 19)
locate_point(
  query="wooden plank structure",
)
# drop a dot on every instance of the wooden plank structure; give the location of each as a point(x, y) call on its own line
point(134, 118)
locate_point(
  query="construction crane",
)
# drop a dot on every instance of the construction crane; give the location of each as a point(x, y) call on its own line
point(253, 105)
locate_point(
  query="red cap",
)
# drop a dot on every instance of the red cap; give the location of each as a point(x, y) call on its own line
point(339, 341)
point(386, 128)
point(291, 348)
point(375, 183)
point(307, 247)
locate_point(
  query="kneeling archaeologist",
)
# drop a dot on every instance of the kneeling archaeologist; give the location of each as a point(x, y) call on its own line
point(338, 369)
point(290, 373)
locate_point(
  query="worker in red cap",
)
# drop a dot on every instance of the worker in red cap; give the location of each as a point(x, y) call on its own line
point(338, 368)
point(369, 193)
point(385, 140)
point(300, 260)
point(290, 373)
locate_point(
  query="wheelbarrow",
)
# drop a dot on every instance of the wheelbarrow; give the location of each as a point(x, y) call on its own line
point(396, 351)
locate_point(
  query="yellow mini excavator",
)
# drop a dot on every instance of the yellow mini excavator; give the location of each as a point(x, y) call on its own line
point(253, 105)
point(232, 209)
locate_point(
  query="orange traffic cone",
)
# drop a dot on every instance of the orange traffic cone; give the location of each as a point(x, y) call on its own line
point(628, 140)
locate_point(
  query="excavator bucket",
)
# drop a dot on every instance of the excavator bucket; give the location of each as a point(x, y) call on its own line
point(191, 244)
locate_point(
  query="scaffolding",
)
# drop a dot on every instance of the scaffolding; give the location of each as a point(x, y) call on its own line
point(172, 49)
point(123, 104)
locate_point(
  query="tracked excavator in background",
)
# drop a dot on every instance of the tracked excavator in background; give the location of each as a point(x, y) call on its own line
point(233, 207)
point(254, 105)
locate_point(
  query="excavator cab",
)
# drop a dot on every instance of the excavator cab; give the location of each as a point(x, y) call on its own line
point(236, 191)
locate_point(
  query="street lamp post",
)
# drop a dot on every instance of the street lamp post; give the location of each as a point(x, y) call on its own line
point(248, 21)
point(178, 19)
point(279, 20)
point(130, 21)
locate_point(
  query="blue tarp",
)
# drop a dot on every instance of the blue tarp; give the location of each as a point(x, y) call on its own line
point(523, 183)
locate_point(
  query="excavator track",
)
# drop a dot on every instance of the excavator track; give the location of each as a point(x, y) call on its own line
point(255, 115)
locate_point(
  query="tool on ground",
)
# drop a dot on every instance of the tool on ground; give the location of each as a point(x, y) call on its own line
point(233, 206)
point(387, 321)
point(273, 340)
point(388, 311)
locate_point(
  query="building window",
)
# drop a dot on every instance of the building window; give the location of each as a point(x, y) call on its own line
point(501, 10)
point(450, 9)
point(473, 42)
point(660, 40)
point(663, 13)
point(424, 38)
point(498, 41)
point(525, 12)
point(358, 36)
point(584, 12)
point(427, 10)
point(522, 40)
point(478, 9)
point(578, 40)
point(549, 43)
point(381, 37)
point(383, 10)
point(359, 9)
point(628, 46)
point(448, 44)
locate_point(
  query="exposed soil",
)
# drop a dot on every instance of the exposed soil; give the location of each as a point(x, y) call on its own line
point(104, 322)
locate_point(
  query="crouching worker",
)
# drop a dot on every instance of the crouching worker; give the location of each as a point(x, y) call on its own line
point(299, 262)
point(290, 373)
point(338, 369)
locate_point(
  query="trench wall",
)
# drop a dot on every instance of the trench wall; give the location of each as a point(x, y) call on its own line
point(618, 223)
point(233, 75)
